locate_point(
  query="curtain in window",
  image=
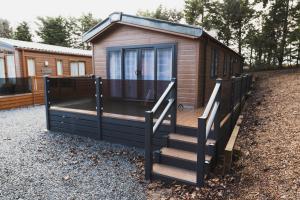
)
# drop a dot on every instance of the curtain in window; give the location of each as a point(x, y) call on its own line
point(164, 64)
point(59, 67)
point(131, 73)
point(147, 73)
point(2, 69)
point(131, 65)
point(74, 68)
point(115, 74)
point(11, 67)
point(81, 68)
point(115, 71)
point(31, 67)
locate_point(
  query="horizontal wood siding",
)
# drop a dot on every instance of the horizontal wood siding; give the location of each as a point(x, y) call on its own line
point(187, 55)
point(130, 132)
point(41, 57)
point(15, 101)
point(209, 81)
point(74, 123)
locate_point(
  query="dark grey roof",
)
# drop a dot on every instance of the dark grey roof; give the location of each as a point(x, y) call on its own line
point(170, 27)
point(163, 25)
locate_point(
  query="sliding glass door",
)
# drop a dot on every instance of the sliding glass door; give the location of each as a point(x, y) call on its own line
point(144, 71)
point(2, 68)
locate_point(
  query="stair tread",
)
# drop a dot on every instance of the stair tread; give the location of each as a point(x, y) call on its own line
point(177, 173)
point(186, 155)
point(185, 138)
point(190, 139)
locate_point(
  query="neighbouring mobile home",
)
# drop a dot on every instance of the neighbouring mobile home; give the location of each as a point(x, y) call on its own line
point(168, 88)
point(23, 64)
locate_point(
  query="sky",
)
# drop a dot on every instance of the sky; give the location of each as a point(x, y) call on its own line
point(16, 11)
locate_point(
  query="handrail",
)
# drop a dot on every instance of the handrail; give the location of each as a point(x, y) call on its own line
point(163, 115)
point(211, 100)
point(151, 129)
point(212, 118)
point(163, 96)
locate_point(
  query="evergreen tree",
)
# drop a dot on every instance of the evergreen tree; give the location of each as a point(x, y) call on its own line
point(194, 10)
point(54, 30)
point(22, 32)
point(5, 29)
point(162, 13)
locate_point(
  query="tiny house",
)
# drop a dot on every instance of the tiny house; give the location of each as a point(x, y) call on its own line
point(168, 88)
point(23, 59)
point(136, 48)
point(22, 65)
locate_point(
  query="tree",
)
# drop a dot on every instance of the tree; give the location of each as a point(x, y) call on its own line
point(193, 10)
point(162, 13)
point(54, 30)
point(5, 29)
point(86, 22)
point(22, 32)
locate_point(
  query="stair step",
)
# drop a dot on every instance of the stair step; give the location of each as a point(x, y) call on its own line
point(184, 155)
point(184, 138)
point(187, 143)
point(174, 173)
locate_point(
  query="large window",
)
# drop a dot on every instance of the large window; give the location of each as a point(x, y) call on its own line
point(77, 68)
point(59, 68)
point(2, 68)
point(214, 63)
point(11, 66)
point(139, 67)
point(31, 67)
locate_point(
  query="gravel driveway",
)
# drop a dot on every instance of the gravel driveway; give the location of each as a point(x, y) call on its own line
point(35, 164)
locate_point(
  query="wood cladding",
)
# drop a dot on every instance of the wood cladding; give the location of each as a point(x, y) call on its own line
point(187, 55)
point(41, 57)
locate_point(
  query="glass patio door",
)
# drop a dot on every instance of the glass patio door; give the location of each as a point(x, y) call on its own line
point(131, 74)
point(2, 68)
point(147, 75)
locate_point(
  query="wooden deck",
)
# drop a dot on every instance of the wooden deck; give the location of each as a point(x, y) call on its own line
point(187, 117)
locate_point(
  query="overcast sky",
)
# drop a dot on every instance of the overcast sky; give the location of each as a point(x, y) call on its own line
point(27, 10)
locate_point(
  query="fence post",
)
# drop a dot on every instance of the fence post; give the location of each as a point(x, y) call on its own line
point(148, 144)
point(217, 119)
point(201, 151)
point(232, 101)
point(174, 107)
point(47, 102)
point(99, 106)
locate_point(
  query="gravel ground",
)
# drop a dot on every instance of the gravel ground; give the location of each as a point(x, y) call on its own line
point(35, 164)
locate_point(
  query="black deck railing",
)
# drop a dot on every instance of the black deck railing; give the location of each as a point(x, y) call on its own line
point(169, 95)
point(208, 127)
point(11, 86)
point(209, 124)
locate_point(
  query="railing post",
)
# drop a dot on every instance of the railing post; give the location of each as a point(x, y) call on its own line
point(148, 144)
point(233, 100)
point(217, 119)
point(174, 107)
point(201, 151)
point(99, 106)
point(47, 102)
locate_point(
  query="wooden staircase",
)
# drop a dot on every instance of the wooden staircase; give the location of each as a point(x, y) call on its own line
point(178, 161)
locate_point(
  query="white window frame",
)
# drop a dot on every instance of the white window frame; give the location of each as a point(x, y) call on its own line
point(31, 72)
point(78, 70)
point(59, 68)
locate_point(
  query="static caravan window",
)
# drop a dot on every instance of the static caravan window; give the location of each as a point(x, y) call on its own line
point(31, 67)
point(11, 66)
point(164, 64)
point(214, 63)
point(59, 68)
point(77, 68)
point(225, 65)
point(231, 65)
point(2, 68)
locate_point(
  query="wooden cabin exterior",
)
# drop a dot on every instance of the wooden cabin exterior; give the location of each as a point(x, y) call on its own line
point(168, 88)
point(23, 65)
point(23, 59)
point(197, 59)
